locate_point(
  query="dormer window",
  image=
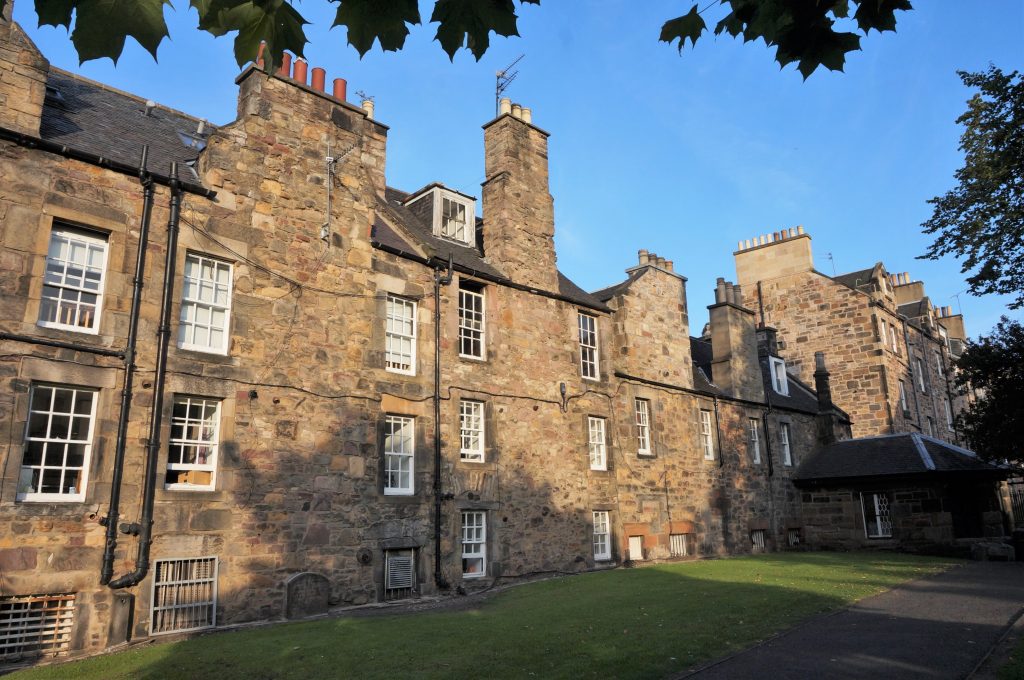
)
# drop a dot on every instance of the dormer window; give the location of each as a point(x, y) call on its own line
point(780, 381)
point(452, 215)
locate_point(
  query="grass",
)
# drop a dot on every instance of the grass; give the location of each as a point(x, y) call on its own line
point(1014, 667)
point(645, 622)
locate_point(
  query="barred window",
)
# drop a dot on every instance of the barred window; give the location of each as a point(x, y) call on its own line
point(643, 426)
point(184, 595)
point(192, 459)
point(471, 320)
point(471, 430)
point(474, 544)
point(596, 442)
point(400, 353)
point(73, 281)
point(588, 346)
point(602, 536)
point(399, 444)
point(680, 545)
point(205, 305)
point(35, 625)
point(58, 444)
point(399, 574)
point(877, 518)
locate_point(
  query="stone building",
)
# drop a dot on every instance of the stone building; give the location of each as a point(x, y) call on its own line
point(889, 348)
point(245, 379)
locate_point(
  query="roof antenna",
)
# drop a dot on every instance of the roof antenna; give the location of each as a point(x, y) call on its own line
point(833, 261)
point(503, 79)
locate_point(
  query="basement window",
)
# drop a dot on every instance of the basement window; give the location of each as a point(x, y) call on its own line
point(184, 595)
point(399, 574)
point(35, 625)
point(602, 536)
point(757, 540)
point(681, 545)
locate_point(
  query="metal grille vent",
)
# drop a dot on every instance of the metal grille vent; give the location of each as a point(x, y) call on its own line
point(184, 595)
point(35, 625)
point(399, 574)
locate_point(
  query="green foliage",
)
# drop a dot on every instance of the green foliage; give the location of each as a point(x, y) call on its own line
point(994, 367)
point(800, 31)
point(982, 218)
point(651, 622)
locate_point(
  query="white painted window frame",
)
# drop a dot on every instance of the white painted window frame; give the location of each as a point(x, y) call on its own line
point(949, 415)
point(51, 442)
point(938, 364)
point(882, 521)
point(208, 436)
point(642, 412)
point(590, 367)
point(472, 431)
point(780, 379)
point(400, 329)
point(755, 441)
point(472, 321)
point(895, 342)
point(787, 451)
point(474, 542)
point(597, 444)
point(64, 237)
point(396, 454)
point(919, 369)
point(903, 396)
point(602, 535)
point(194, 303)
point(706, 438)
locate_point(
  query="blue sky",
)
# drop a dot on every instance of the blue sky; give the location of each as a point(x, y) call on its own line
point(681, 154)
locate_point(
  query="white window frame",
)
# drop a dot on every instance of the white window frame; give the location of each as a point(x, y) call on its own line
point(602, 536)
point(193, 304)
point(399, 454)
point(474, 542)
point(755, 441)
point(706, 438)
point(642, 411)
point(590, 367)
point(903, 396)
point(949, 414)
point(471, 431)
point(938, 364)
point(881, 525)
point(780, 379)
point(895, 342)
point(63, 239)
point(446, 200)
point(930, 426)
point(56, 447)
point(472, 321)
point(787, 451)
point(883, 333)
point(206, 431)
point(919, 366)
point(597, 443)
point(179, 585)
point(400, 333)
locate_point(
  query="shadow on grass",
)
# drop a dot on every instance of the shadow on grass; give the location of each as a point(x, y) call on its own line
point(649, 622)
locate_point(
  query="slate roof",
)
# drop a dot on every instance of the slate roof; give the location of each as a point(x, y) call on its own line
point(606, 294)
point(913, 310)
point(907, 455)
point(466, 258)
point(854, 279)
point(87, 116)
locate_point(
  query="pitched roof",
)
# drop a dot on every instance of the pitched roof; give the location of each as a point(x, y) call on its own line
point(606, 294)
point(896, 455)
point(467, 258)
point(913, 310)
point(87, 116)
point(854, 279)
point(801, 396)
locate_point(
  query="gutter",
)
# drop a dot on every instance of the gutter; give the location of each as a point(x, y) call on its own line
point(439, 280)
point(31, 142)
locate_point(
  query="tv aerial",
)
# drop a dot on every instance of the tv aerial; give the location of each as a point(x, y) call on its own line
point(503, 79)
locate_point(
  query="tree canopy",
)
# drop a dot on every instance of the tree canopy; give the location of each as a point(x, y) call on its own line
point(982, 219)
point(801, 31)
point(994, 367)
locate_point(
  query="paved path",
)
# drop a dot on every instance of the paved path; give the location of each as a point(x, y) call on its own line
point(938, 627)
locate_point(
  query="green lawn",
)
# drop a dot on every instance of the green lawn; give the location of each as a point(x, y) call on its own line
point(1014, 668)
point(645, 622)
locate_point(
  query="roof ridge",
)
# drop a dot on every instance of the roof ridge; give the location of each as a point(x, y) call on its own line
point(130, 95)
point(926, 457)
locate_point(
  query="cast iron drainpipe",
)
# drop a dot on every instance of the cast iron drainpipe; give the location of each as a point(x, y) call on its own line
point(446, 279)
point(110, 521)
point(145, 527)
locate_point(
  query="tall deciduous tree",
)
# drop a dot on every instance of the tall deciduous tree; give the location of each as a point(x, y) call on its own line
point(994, 367)
point(802, 31)
point(982, 218)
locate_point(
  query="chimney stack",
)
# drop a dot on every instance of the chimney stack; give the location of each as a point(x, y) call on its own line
point(519, 221)
point(300, 70)
point(734, 363)
point(23, 74)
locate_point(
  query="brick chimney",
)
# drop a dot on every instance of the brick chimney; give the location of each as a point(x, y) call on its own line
point(519, 220)
point(23, 72)
point(734, 361)
point(829, 427)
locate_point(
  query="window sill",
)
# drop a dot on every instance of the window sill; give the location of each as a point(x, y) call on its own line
point(469, 357)
point(43, 499)
point(395, 371)
point(67, 329)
